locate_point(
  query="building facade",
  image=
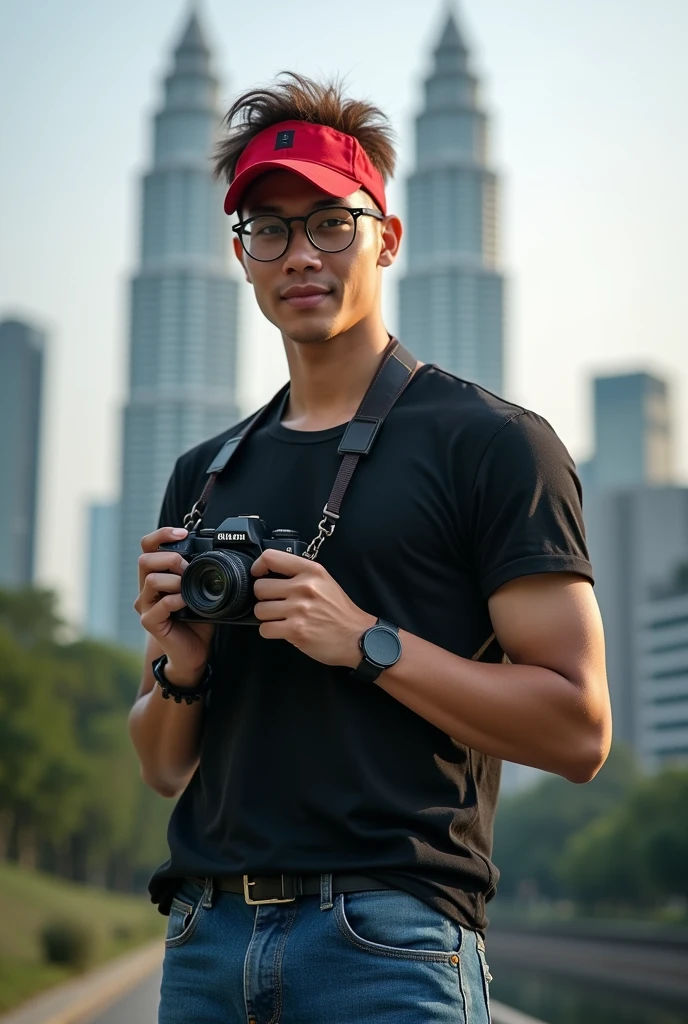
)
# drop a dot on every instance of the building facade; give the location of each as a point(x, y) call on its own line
point(451, 298)
point(183, 319)
point(633, 431)
point(637, 537)
point(662, 631)
point(637, 526)
point(100, 620)
point(21, 398)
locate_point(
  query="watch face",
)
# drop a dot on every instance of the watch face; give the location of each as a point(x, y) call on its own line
point(382, 646)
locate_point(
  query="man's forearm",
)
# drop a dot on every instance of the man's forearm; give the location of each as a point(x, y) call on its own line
point(522, 713)
point(167, 739)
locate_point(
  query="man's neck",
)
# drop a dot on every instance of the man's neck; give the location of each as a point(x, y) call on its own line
point(329, 379)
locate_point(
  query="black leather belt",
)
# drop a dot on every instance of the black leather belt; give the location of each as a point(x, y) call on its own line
point(257, 889)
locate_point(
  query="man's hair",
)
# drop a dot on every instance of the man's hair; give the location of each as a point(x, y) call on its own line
point(301, 99)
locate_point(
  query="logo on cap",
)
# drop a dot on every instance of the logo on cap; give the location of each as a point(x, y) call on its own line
point(285, 140)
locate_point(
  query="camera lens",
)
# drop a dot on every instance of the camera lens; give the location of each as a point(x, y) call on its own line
point(218, 585)
point(212, 584)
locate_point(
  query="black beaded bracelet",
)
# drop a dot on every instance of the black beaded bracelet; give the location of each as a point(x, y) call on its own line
point(180, 693)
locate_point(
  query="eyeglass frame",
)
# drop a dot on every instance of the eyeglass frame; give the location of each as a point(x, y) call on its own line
point(356, 212)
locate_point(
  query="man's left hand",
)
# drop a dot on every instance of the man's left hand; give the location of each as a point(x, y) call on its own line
point(309, 609)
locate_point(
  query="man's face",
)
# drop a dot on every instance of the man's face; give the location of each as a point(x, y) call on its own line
point(344, 286)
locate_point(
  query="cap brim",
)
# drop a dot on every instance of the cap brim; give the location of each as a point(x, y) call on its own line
point(331, 182)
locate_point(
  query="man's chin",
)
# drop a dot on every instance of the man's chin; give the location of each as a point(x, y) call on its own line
point(303, 332)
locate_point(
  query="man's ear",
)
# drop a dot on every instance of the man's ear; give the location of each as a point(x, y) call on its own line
point(242, 257)
point(390, 241)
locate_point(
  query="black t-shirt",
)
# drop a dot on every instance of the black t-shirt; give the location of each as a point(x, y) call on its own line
point(301, 768)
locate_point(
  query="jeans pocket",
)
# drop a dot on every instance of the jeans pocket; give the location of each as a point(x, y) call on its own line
point(395, 924)
point(185, 912)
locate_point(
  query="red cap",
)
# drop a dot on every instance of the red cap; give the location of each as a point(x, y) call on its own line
point(333, 161)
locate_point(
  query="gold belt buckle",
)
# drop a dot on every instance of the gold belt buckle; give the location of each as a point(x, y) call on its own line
point(257, 903)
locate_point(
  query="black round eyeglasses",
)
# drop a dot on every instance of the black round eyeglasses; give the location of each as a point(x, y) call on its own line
point(266, 236)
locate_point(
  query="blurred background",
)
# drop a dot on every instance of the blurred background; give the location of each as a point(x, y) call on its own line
point(543, 154)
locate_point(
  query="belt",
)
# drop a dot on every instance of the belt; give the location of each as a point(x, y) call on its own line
point(258, 889)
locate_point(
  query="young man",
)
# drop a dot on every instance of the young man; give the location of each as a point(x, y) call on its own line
point(361, 803)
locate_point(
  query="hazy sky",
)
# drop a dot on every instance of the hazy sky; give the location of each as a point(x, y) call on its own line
point(588, 107)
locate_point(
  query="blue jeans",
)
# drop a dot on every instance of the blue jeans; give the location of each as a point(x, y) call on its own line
point(379, 957)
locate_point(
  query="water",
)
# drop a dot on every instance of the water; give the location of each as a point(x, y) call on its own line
point(565, 1000)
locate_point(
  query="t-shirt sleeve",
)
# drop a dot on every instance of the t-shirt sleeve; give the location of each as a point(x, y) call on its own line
point(526, 514)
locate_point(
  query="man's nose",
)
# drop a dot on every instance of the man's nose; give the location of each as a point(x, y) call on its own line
point(301, 254)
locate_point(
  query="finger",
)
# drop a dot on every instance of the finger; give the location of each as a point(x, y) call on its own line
point(272, 590)
point(165, 535)
point(163, 583)
point(157, 585)
point(156, 620)
point(160, 561)
point(271, 611)
point(283, 563)
point(272, 630)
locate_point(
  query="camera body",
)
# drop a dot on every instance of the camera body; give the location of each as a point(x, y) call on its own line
point(217, 584)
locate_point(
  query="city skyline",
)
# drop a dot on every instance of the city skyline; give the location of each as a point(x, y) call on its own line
point(594, 160)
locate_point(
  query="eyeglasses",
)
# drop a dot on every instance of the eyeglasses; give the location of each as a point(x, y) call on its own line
point(332, 229)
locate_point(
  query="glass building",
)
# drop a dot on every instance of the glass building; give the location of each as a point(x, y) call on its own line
point(21, 389)
point(100, 619)
point(183, 310)
point(633, 433)
point(662, 630)
point(451, 298)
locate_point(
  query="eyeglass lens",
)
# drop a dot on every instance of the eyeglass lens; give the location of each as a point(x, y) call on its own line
point(266, 237)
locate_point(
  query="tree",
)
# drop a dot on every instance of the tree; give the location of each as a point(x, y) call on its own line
point(532, 828)
point(637, 855)
point(71, 797)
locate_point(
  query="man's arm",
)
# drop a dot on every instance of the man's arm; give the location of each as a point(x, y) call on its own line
point(167, 735)
point(549, 709)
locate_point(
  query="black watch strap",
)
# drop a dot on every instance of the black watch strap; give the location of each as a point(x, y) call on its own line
point(180, 693)
point(369, 669)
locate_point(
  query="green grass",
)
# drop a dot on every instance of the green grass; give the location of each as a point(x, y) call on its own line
point(30, 899)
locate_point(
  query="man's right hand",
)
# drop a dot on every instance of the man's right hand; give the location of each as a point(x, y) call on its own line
point(186, 644)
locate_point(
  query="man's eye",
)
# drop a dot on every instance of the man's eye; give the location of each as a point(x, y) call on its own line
point(269, 229)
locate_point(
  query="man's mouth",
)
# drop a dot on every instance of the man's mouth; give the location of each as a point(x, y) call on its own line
point(305, 296)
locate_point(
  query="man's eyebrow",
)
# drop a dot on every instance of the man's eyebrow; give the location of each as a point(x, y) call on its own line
point(278, 210)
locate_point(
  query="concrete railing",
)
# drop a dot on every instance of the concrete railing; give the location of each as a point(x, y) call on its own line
point(502, 1014)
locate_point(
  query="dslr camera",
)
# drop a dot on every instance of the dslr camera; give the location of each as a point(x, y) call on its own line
point(217, 584)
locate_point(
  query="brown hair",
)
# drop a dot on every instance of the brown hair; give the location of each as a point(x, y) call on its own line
point(302, 99)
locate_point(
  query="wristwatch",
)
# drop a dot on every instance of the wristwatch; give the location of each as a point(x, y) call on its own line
point(381, 648)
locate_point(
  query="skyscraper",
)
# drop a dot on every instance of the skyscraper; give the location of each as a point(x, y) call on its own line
point(633, 432)
point(21, 391)
point(183, 329)
point(100, 621)
point(637, 525)
point(451, 297)
point(637, 537)
point(662, 630)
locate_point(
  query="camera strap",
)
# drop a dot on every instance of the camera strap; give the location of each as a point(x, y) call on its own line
point(396, 369)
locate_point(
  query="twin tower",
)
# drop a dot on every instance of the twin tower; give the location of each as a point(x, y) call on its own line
point(184, 303)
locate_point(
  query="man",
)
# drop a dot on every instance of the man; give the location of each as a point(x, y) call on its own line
point(357, 796)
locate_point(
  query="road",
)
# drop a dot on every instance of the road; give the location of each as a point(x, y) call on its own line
point(140, 1006)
